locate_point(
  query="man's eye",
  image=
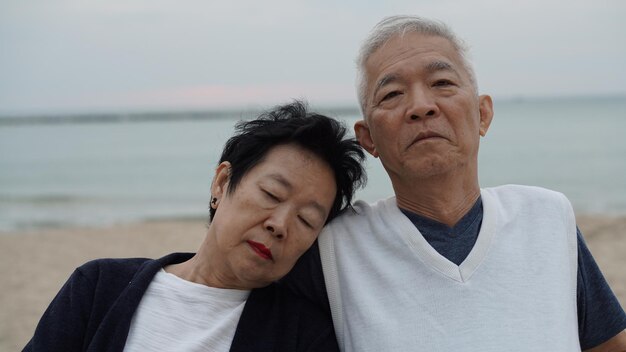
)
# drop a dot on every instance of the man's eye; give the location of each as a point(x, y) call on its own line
point(442, 83)
point(390, 95)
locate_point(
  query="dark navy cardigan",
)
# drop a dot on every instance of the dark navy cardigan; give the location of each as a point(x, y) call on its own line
point(93, 311)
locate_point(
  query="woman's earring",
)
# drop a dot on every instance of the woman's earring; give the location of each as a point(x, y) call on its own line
point(214, 201)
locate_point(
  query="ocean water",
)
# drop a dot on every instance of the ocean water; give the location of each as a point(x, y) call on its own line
point(105, 172)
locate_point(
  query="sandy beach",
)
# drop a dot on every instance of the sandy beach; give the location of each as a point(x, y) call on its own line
point(35, 264)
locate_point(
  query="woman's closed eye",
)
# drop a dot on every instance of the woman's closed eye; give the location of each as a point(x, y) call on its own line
point(306, 222)
point(271, 196)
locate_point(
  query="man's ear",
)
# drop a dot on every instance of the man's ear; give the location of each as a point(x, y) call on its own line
point(363, 135)
point(486, 113)
point(219, 186)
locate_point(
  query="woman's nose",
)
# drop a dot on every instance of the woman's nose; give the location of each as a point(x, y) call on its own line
point(274, 231)
point(276, 224)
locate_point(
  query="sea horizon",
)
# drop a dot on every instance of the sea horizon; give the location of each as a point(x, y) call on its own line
point(114, 115)
point(98, 172)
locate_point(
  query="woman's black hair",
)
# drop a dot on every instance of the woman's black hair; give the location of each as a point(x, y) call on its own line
point(292, 123)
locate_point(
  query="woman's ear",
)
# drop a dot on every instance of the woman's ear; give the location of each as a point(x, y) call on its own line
point(220, 183)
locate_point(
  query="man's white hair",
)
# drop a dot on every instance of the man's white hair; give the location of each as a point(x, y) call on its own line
point(393, 26)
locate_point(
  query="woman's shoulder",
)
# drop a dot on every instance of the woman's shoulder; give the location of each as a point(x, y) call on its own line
point(120, 267)
point(110, 266)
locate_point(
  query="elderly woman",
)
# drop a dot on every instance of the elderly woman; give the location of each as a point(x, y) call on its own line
point(279, 180)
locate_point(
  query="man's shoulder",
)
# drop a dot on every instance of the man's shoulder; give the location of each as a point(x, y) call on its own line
point(524, 194)
point(521, 189)
point(509, 202)
point(364, 211)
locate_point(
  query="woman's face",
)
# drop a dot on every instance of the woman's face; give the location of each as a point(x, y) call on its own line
point(274, 215)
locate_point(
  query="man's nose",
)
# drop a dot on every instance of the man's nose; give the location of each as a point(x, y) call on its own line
point(422, 104)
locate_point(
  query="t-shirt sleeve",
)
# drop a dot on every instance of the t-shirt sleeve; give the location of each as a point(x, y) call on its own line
point(600, 316)
point(62, 326)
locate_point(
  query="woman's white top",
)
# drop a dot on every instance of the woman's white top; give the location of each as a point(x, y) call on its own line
point(180, 315)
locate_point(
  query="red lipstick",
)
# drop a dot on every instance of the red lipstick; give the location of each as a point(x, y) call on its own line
point(261, 250)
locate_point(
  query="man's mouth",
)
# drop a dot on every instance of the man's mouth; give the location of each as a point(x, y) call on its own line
point(261, 250)
point(424, 136)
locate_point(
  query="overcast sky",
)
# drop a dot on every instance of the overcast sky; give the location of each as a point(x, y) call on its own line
point(132, 55)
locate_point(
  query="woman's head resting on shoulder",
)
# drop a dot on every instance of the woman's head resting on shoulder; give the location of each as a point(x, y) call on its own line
point(280, 179)
point(293, 124)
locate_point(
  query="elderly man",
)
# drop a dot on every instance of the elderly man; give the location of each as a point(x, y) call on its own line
point(445, 265)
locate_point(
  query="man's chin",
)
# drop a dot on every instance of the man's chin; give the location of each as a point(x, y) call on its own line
point(429, 167)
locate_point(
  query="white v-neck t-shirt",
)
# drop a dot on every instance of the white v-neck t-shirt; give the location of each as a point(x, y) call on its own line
point(179, 315)
point(389, 290)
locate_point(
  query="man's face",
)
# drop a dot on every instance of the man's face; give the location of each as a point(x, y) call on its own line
point(424, 117)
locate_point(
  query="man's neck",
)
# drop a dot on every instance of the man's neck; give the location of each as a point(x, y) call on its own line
point(439, 199)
